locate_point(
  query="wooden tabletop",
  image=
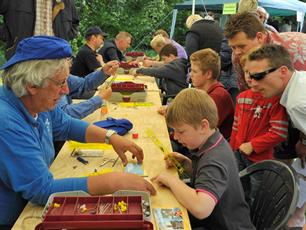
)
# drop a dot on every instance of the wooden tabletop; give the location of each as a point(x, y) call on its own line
point(143, 116)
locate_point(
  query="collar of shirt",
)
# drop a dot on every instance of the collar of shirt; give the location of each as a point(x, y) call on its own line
point(214, 86)
point(213, 141)
point(284, 97)
point(11, 97)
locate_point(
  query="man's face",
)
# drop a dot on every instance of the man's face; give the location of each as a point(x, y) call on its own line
point(271, 84)
point(187, 135)
point(197, 76)
point(46, 98)
point(124, 44)
point(241, 44)
point(99, 40)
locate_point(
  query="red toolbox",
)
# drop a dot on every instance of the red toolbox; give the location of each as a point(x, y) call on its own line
point(95, 212)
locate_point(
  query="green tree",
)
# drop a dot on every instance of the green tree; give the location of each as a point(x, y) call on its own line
point(138, 17)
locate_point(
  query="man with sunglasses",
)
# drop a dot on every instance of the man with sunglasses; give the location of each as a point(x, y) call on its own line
point(245, 31)
point(272, 73)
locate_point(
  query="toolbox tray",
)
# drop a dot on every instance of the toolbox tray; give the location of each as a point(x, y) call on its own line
point(65, 213)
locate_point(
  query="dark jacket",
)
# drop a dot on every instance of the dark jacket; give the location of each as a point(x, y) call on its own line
point(174, 75)
point(203, 34)
point(19, 22)
point(109, 52)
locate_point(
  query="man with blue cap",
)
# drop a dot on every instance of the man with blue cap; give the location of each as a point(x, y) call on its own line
point(34, 80)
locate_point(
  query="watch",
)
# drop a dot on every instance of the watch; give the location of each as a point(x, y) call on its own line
point(108, 134)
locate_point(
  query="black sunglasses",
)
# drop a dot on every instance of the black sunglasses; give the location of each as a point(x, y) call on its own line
point(261, 75)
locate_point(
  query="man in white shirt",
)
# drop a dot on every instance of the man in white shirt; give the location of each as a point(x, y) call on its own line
point(272, 73)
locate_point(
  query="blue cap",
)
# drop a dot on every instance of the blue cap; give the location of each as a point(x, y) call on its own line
point(39, 48)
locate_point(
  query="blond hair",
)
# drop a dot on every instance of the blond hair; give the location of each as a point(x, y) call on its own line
point(162, 32)
point(158, 41)
point(33, 72)
point(190, 107)
point(247, 6)
point(207, 59)
point(122, 35)
point(192, 19)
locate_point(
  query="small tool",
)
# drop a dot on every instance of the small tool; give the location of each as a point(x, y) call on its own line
point(107, 161)
point(166, 152)
point(109, 83)
point(115, 161)
point(82, 160)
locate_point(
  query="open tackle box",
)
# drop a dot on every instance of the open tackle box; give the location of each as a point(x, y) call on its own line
point(118, 211)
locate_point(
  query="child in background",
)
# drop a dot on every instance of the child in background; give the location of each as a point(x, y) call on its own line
point(260, 124)
point(172, 74)
point(205, 70)
point(215, 186)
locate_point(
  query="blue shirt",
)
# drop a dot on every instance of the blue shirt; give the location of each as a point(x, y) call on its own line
point(78, 88)
point(26, 153)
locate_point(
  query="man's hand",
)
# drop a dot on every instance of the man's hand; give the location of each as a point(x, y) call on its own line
point(301, 152)
point(100, 59)
point(105, 93)
point(111, 67)
point(246, 148)
point(121, 145)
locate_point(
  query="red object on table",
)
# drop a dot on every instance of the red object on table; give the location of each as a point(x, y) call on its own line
point(135, 135)
point(127, 65)
point(134, 54)
point(95, 212)
point(128, 86)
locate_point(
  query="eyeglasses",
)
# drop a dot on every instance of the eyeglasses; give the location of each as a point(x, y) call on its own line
point(261, 75)
point(59, 84)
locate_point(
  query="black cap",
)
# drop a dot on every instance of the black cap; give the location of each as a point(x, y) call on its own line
point(94, 30)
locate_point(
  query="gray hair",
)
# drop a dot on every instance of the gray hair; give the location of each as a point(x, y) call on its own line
point(33, 72)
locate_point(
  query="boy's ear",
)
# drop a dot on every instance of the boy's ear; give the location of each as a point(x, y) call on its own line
point(204, 125)
point(208, 74)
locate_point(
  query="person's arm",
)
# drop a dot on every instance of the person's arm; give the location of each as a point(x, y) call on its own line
point(192, 43)
point(167, 71)
point(297, 115)
point(235, 127)
point(225, 55)
point(81, 109)
point(79, 86)
point(199, 204)
point(109, 183)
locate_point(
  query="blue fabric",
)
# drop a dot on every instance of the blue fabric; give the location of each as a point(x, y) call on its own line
point(121, 126)
point(26, 153)
point(77, 88)
point(39, 47)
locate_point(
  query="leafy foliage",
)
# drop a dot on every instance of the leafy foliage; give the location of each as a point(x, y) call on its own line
point(138, 17)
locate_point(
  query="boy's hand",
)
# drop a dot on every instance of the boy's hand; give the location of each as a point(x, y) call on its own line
point(162, 110)
point(246, 148)
point(185, 161)
point(163, 179)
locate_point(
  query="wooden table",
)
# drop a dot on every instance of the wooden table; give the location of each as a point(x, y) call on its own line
point(142, 117)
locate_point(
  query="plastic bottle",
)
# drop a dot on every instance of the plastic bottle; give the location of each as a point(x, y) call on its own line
point(104, 109)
